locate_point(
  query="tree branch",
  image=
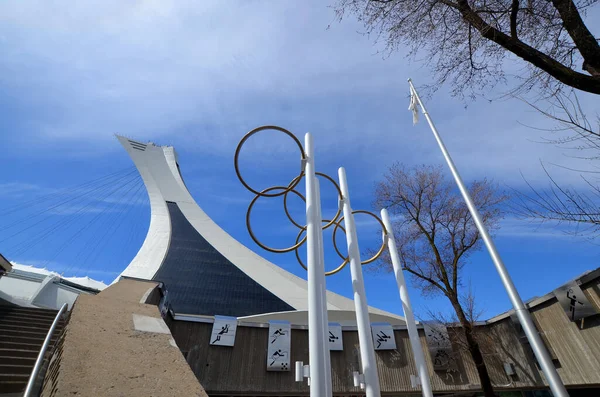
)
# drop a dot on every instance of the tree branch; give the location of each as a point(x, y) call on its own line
point(537, 58)
point(513, 19)
point(584, 40)
point(428, 279)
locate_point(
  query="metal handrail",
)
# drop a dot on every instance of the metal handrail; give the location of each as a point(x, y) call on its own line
point(40, 357)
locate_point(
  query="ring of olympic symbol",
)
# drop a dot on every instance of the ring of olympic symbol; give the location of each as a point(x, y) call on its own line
point(277, 191)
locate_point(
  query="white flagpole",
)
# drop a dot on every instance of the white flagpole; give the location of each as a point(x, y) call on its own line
point(554, 381)
point(324, 314)
point(363, 324)
point(413, 333)
point(316, 280)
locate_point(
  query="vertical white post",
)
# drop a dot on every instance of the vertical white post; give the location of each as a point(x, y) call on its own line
point(316, 279)
point(328, 385)
point(413, 333)
point(328, 382)
point(539, 349)
point(367, 350)
point(299, 373)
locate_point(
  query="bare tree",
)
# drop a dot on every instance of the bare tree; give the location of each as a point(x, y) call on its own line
point(573, 129)
point(468, 41)
point(435, 235)
point(580, 137)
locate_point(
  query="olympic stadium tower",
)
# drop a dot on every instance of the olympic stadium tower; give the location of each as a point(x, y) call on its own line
point(206, 271)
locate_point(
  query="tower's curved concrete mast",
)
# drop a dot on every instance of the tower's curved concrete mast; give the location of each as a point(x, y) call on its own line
point(205, 270)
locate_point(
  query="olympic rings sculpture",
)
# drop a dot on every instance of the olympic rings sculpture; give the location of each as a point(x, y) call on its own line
point(276, 191)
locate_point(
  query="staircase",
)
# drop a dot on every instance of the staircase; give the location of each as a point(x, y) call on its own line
point(22, 333)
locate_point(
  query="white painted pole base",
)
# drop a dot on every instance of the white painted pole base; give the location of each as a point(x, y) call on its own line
point(302, 371)
point(413, 333)
point(367, 350)
point(317, 317)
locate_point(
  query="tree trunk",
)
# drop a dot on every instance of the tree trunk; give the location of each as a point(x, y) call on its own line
point(473, 346)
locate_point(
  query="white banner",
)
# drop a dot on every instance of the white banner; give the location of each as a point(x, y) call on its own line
point(383, 336)
point(223, 332)
point(335, 337)
point(278, 351)
point(439, 345)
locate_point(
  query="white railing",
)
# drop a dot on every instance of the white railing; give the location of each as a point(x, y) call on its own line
point(40, 357)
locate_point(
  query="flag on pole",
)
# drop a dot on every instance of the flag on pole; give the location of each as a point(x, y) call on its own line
point(414, 105)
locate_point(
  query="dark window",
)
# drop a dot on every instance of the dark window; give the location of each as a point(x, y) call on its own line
point(200, 280)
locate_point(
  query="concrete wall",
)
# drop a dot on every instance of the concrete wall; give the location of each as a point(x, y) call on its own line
point(116, 346)
point(19, 287)
point(54, 295)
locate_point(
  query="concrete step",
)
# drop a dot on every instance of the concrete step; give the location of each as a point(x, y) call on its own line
point(12, 361)
point(27, 309)
point(23, 332)
point(16, 352)
point(28, 327)
point(13, 383)
point(4, 344)
point(27, 317)
point(26, 322)
point(28, 339)
point(14, 377)
point(32, 310)
point(20, 369)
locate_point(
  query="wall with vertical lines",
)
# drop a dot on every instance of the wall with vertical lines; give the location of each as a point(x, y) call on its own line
point(242, 368)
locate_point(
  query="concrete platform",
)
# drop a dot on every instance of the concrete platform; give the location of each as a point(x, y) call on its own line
point(106, 354)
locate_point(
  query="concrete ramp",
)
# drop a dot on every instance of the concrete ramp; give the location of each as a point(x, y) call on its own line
point(108, 353)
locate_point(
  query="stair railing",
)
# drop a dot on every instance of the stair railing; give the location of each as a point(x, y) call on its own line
point(40, 358)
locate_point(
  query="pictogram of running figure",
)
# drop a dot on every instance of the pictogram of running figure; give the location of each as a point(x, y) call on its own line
point(382, 338)
point(332, 337)
point(573, 302)
point(223, 331)
point(275, 356)
point(279, 332)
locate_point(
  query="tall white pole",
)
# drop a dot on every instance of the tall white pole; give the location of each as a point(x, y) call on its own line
point(367, 351)
point(554, 381)
point(328, 385)
point(413, 333)
point(316, 279)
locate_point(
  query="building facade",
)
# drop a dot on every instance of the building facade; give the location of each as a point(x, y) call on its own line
point(574, 347)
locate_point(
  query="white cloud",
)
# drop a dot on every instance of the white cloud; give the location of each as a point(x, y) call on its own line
point(200, 74)
point(20, 189)
point(512, 227)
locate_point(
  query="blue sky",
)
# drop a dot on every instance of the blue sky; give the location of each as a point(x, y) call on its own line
point(198, 75)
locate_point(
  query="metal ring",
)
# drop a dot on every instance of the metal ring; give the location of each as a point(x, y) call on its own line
point(239, 148)
point(294, 183)
point(329, 273)
point(338, 225)
point(276, 250)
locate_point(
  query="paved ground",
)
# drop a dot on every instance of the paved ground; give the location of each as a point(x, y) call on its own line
point(103, 354)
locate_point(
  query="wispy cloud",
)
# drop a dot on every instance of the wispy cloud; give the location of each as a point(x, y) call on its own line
point(21, 189)
point(60, 268)
point(165, 71)
point(30, 199)
point(512, 227)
